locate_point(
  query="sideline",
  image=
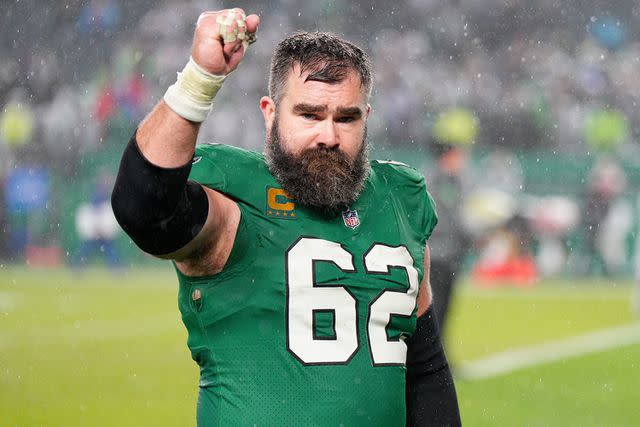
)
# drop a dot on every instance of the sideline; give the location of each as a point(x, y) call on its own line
point(526, 357)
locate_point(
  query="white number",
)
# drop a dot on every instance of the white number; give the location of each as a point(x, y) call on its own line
point(304, 299)
point(378, 260)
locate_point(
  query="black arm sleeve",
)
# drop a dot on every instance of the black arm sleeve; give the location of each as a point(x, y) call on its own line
point(157, 207)
point(431, 394)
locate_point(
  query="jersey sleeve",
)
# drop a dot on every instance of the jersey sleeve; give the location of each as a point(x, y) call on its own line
point(230, 170)
point(430, 217)
point(205, 168)
point(423, 204)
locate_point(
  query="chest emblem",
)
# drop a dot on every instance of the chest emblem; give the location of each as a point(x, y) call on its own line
point(279, 204)
point(351, 218)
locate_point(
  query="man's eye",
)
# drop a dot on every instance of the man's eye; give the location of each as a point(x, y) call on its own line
point(309, 116)
point(345, 119)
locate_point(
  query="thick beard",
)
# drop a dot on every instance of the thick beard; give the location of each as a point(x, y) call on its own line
point(322, 178)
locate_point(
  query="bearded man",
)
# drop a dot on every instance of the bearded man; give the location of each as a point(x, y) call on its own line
point(303, 271)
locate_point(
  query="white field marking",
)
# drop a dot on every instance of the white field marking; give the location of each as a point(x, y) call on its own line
point(526, 357)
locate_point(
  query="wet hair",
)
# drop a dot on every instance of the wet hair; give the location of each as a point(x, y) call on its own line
point(324, 56)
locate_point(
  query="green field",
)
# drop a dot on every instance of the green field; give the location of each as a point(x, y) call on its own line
point(103, 350)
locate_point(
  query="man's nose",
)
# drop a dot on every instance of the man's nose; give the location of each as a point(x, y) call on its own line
point(328, 135)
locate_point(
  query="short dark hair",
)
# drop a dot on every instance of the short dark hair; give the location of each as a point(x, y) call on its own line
point(326, 57)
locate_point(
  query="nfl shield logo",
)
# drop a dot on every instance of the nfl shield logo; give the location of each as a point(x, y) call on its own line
point(351, 218)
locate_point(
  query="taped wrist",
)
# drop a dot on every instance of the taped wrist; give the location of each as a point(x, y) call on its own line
point(157, 207)
point(430, 391)
point(191, 96)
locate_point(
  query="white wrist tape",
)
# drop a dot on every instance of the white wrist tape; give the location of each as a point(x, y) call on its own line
point(191, 96)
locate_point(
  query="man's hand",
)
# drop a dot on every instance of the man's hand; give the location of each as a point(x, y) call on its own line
point(221, 38)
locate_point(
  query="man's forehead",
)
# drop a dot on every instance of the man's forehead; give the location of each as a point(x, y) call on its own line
point(301, 88)
point(299, 76)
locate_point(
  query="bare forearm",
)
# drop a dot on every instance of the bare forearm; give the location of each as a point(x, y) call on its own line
point(165, 138)
point(162, 211)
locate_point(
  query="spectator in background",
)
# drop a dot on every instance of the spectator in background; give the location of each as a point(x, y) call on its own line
point(98, 16)
point(97, 227)
point(17, 121)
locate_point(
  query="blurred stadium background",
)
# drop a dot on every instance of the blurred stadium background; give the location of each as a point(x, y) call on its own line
point(542, 94)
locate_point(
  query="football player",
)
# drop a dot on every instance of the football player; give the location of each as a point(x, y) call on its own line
point(303, 270)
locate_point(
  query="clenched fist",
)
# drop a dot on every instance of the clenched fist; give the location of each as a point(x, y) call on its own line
point(221, 38)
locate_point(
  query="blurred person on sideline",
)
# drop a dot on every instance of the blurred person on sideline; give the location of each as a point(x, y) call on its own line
point(636, 264)
point(6, 161)
point(454, 133)
point(606, 218)
point(97, 227)
point(501, 225)
point(303, 271)
point(27, 195)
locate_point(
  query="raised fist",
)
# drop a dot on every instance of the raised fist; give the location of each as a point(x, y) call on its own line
point(221, 39)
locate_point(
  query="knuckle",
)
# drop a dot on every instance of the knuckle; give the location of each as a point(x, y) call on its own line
point(205, 18)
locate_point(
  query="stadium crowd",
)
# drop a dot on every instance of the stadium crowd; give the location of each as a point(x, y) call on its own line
point(559, 76)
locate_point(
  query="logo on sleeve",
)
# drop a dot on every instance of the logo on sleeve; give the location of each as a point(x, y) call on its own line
point(280, 204)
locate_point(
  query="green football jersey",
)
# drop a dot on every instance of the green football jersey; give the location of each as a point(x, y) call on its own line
point(305, 326)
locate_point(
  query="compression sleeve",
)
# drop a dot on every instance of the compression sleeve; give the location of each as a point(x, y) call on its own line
point(157, 207)
point(430, 391)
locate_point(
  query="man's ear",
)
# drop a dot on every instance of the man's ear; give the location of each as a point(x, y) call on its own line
point(268, 108)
